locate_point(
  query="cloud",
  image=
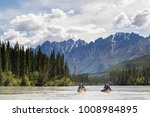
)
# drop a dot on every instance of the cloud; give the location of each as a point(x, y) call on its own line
point(121, 20)
point(141, 18)
point(56, 25)
point(36, 21)
point(57, 13)
point(91, 28)
point(33, 22)
point(57, 32)
point(33, 29)
point(88, 32)
point(29, 22)
point(14, 36)
point(71, 12)
point(126, 2)
point(74, 29)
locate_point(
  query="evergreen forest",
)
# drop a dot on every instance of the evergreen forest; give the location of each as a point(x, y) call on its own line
point(24, 67)
point(131, 76)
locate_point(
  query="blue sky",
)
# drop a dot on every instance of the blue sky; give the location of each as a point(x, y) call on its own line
point(31, 22)
point(5, 4)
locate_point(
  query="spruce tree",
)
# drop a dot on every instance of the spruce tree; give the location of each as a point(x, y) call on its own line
point(39, 60)
point(3, 53)
point(8, 62)
point(27, 68)
point(22, 62)
point(66, 70)
point(58, 64)
point(52, 66)
point(16, 60)
point(0, 58)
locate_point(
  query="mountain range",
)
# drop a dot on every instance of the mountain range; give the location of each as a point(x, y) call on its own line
point(103, 53)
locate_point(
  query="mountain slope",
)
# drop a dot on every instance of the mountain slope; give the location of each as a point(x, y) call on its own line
point(138, 62)
point(101, 54)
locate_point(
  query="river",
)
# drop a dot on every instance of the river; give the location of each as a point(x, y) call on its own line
point(70, 93)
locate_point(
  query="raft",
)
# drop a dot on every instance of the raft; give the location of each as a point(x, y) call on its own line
point(106, 91)
point(82, 90)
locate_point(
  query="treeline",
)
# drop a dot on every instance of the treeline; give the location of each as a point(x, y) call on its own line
point(132, 76)
point(23, 67)
point(91, 78)
point(81, 78)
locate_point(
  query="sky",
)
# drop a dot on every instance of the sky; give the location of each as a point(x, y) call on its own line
point(32, 22)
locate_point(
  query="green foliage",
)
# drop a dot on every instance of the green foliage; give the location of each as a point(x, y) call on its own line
point(131, 76)
point(67, 82)
point(138, 62)
point(7, 78)
point(92, 78)
point(50, 83)
point(140, 80)
point(25, 81)
point(60, 82)
point(24, 67)
point(16, 82)
point(2, 80)
point(33, 77)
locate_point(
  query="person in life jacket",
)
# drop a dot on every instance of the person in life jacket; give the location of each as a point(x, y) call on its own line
point(81, 86)
point(107, 87)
